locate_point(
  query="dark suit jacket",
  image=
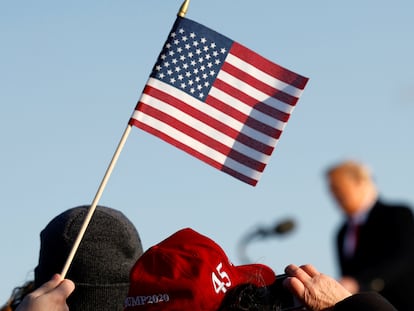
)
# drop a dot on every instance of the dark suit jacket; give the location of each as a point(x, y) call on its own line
point(369, 301)
point(384, 257)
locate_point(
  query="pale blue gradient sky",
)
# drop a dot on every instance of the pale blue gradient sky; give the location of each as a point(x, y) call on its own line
point(71, 73)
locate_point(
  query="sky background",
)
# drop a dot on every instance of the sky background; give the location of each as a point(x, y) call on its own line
point(71, 73)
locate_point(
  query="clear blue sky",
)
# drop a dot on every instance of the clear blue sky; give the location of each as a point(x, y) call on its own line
point(71, 73)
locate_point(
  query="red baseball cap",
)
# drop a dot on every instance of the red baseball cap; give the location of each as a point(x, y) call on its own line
point(187, 272)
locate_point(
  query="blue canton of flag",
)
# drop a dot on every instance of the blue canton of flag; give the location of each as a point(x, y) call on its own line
point(191, 59)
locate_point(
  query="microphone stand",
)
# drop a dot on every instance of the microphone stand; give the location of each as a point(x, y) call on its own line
point(280, 229)
point(242, 246)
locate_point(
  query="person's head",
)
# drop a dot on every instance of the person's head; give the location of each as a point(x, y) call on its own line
point(186, 272)
point(101, 265)
point(278, 296)
point(246, 297)
point(351, 185)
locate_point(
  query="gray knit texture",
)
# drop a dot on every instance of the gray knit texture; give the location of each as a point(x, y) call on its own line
point(100, 269)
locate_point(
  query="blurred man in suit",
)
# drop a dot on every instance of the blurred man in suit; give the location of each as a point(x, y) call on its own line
point(375, 244)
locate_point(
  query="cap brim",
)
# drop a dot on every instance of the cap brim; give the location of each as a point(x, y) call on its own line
point(257, 274)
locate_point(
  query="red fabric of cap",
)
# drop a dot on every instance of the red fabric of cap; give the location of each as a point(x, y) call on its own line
point(188, 272)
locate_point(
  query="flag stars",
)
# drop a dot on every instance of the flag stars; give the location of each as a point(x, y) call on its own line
point(190, 63)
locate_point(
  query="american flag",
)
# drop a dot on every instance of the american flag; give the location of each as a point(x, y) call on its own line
point(217, 100)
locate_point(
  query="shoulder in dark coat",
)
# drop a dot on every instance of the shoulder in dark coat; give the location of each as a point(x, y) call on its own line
point(367, 301)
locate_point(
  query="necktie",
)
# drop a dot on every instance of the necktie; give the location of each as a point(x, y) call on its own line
point(351, 239)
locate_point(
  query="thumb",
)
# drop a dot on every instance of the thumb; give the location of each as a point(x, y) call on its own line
point(65, 288)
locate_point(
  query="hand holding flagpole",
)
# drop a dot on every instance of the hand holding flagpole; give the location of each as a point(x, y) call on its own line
point(92, 208)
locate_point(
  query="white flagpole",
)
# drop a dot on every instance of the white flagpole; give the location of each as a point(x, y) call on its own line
point(91, 210)
point(95, 201)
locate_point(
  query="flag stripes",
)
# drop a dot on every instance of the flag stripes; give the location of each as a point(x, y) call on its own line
point(227, 110)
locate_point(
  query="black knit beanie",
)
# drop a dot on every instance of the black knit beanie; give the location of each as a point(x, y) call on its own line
point(100, 269)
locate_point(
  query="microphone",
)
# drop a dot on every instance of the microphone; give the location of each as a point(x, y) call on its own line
point(280, 228)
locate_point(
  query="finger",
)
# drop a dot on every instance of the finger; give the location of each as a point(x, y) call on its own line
point(298, 272)
point(291, 269)
point(48, 286)
point(310, 270)
point(65, 288)
point(295, 286)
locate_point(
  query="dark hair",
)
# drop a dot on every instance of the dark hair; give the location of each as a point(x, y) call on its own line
point(249, 297)
point(17, 296)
